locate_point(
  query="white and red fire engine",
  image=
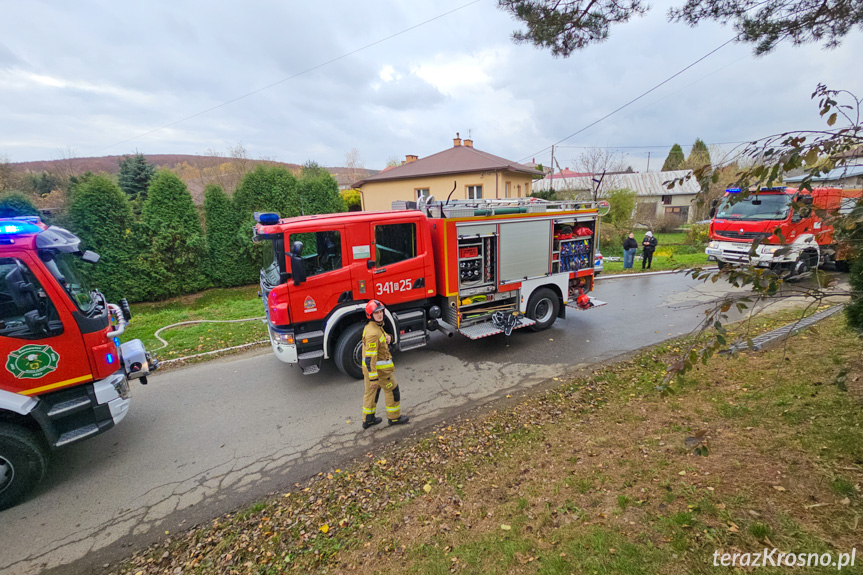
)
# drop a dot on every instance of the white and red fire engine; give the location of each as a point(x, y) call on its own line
point(779, 218)
point(478, 268)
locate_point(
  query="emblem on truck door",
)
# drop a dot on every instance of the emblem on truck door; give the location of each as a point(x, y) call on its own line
point(32, 361)
point(309, 304)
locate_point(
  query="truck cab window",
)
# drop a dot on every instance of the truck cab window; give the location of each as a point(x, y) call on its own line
point(395, 243)
point(322, 251)
point(26, 311)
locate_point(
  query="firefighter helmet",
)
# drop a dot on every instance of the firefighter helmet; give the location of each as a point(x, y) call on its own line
point(583, 300)
point(372, 307)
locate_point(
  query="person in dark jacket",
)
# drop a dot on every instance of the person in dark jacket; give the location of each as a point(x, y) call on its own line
point(648, 247)
point(630, 246)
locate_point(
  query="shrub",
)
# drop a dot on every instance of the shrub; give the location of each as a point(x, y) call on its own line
point(226, 265)
point(353, 199)
point(319, 192)
point(621, 207)
point(611, 237)
point(665, 223)
point(697, 234)
point(13, 204)
point(172, 262)
point(112, 237)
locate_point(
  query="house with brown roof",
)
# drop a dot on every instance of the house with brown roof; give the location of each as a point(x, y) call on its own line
point(463, 171)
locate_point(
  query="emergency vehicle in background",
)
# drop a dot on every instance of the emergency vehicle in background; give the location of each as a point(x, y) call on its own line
point(477, 267)
point(64, 374)
point(761, 216)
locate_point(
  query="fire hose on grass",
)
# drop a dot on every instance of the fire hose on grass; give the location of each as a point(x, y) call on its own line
point(196, 321)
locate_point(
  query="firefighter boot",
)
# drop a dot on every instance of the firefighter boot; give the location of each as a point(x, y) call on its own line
point(402, 419)
point(371, 420)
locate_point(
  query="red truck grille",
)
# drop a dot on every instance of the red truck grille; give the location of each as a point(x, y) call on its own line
point(741, 236)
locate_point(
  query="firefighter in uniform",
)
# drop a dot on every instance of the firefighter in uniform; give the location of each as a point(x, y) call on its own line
point(378, 369)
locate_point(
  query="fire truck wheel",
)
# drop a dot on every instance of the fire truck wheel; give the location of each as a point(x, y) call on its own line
point(23, 462)
point(543, 307)
point(349, 351)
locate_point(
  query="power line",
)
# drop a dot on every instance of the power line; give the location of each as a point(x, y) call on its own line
point(676, 74)
point(646, 147)
point(283, 80)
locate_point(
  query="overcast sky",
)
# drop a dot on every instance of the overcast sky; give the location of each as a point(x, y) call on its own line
point(103, 77)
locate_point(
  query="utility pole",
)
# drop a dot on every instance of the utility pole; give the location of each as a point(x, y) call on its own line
point(551, 181)
point(648, 161)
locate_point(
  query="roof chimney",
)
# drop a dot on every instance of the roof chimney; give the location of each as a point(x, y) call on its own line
point(468, 143)
point(410, 158)
point(456, 142)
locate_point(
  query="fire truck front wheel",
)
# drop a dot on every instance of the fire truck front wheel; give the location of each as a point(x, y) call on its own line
point(349, 351)
point(543, 307)
point(23, 462)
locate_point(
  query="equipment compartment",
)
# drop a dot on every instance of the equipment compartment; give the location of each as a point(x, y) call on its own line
point(476, 263)
point(572, 246)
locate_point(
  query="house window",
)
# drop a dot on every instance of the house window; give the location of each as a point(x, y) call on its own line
point(474, 192)
point(681, 212)
point(666, 200)
point(422, 192)
point(507, 189)
point(395, 243)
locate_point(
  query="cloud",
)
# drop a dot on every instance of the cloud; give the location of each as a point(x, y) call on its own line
point(100, 73)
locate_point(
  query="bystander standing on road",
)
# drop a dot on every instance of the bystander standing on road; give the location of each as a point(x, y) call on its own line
point(648, 247)
point(630, 246)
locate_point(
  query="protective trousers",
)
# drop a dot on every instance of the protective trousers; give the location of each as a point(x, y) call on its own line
point(392, 399)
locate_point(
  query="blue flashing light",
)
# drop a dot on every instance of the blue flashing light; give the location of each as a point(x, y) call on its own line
point(733, 190)
point(110, 358)
point(13, 228)
point(117, 341)
point(269, 218)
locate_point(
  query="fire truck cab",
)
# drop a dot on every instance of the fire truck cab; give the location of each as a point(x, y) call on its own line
point(65, 374)
point(478, 268)
point(778, 218)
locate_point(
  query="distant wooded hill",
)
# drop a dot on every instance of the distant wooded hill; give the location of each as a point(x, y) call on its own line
point(196, 171)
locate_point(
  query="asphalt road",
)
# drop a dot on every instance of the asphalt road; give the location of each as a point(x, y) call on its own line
point(208, 439)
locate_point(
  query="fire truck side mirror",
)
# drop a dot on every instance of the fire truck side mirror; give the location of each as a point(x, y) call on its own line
point(713, 206)
point(37, 324)
point(90, 257)
point(298, 270)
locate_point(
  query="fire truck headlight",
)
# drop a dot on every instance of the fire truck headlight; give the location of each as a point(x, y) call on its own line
point(284, 338)
point(713, 244)
point(770, 249)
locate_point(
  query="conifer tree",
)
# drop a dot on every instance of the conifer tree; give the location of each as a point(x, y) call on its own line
point(699, 156)
point(135, 176)
point(225, 266)
point(319, 191)
point(13, 204)
point(675, 159)
point(101, 215)
point(176, 247)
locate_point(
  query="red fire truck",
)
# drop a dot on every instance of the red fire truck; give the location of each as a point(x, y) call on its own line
point(65, 374)
point(479, 268)
point(796, 214)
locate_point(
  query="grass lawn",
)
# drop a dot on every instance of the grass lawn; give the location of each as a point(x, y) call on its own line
point(671, 253)
point(598, 475)
point(214, 304)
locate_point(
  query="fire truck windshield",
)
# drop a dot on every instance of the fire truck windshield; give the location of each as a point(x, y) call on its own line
point(768, 207)
point(66, 269)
